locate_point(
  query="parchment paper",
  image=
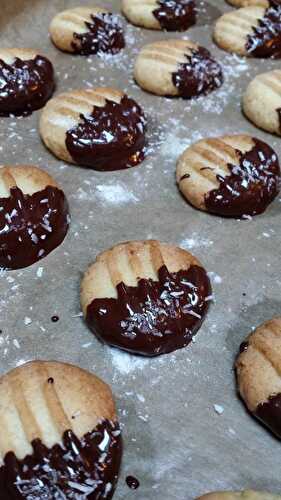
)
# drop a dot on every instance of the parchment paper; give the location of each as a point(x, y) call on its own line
point(175, 442)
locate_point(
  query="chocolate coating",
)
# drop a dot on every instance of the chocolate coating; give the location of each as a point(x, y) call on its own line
point(132, 482)
point(250, 187)
point(25, 85)
point(265, 41)
point(104, 35)
point(175, 15)
point(78, 469)
point(112, 137)
point(270, 414)
point(199, 75)
point(31, 226)
point(154, 317)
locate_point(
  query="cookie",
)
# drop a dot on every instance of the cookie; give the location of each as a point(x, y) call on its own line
point(34, 215)
point(98, 128)
point(145, 297)
point(251, 31)
point(60, 437)
point(243, 495)
point(27, 81)
point(258, 369)
point(177, 68)
point(85, 30)
point(169, 15)
point(262, 101)
point(232, 176)
point(248, 3)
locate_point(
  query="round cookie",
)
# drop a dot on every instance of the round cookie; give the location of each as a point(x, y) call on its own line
point(169, 15)
point(251, 31)
point(177, 68)
point(240, 495)
point(258, 369)
point(99, 128)
point(248, 3)
point(34, 215)
point(60, 436)
point(27, 81)
point(87, 30)
point(232, 176)
point(145, 297)
point(262, 101)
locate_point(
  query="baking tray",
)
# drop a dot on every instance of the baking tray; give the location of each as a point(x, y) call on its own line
point(175, 442)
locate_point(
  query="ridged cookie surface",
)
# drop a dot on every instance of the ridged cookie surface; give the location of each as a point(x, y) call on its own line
point(160, 14)
point(233, 28)
point(141, 13)
point(9, 55)
point(241, 495)
point(63, 113)
point(27, 178)
point(248, 3)
point(177, 68)
point(87, 30)
point(41, 400)
point(262, 101)
point(229, 175)
point(258, 369)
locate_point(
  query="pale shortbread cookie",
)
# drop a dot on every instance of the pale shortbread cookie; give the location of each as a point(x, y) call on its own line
point(43, 399)
point(233, 28)
point(231, 175)
point(258, 369)
point(28, 178)
point(248, 3)
point(62, 113)
point(240, 495)
point(128, 262)
point(9, 55)
point(159, 62)
point(262, 101)
point(87, 30)
point(141, 13)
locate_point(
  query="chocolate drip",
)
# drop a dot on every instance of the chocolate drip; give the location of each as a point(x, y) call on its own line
point(251, 186)
point(243, 347)
point(104, 35)
point(175, 15)
point(265, 41)
point(112, 137)
point(199, 75)
point(154, 317)
point(270, 414)
point(31, 226)
point(132, 482)
point(25, 85)
point(79, 469)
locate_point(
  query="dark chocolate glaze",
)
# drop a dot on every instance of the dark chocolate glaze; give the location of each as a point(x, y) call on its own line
point(132, 482)
point(199, 75)
point(25, 85)
point(104, 35)
point(250, 187)
point(265, 40)
point(31, 226)
point(270, 414)
point(175, 15)
point(154, 317)
point(112, 137)
point(78, 469)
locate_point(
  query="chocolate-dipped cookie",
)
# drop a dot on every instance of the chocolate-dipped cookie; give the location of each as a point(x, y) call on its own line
point(145, 297)
point(248, 3)
point(251, 31)
point(103, 128)
point(169, 15)
point(262, 101)
point(87, 30)
point(60, 437)
point(27, 81)
point(240, 495)
point(258, 369)
point(177, 68)
point(232, 176)
point(34, 215)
